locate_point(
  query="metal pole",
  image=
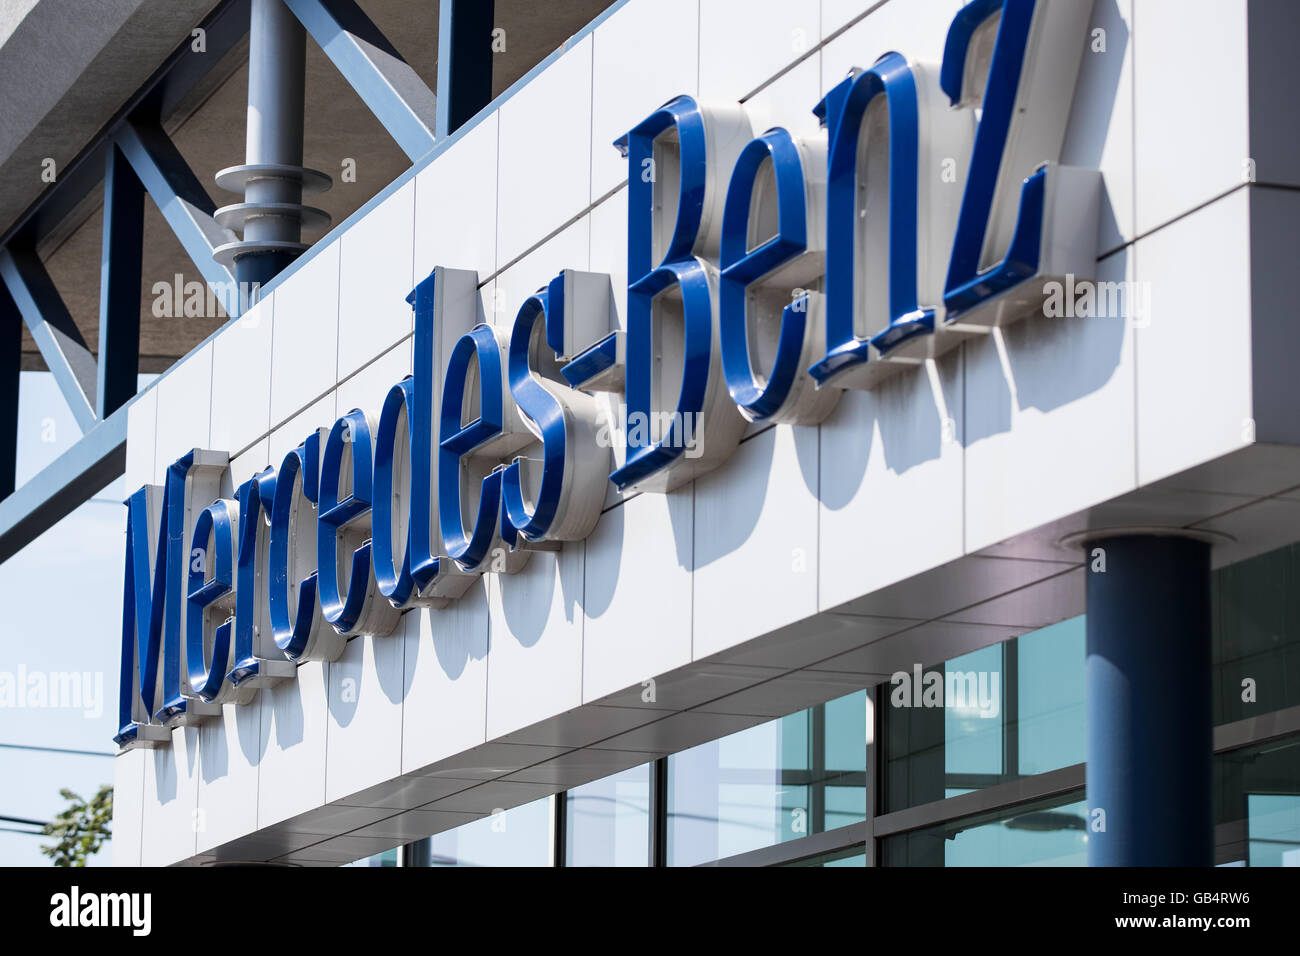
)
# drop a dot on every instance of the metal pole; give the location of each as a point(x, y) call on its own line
point(277, 57)
point(464, 62)
point(272, 178)
point(658, 804)
point(121, 256)
point(11, 363)
point(419, 853)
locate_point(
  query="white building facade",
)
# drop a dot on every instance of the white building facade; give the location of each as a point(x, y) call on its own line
point(937, 493)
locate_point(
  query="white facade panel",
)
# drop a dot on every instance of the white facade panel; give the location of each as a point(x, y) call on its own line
point(184, 397)
point(304, 357)
point(1188, 149)
point(459, 187)
point(446, 680)
point(1101, 132)
point(756, 528)
point(291, 774)
point(544, 177)
point(1193, 359)
point(230, 760)
point(917, 30)
point(170, 822)
point(376, 273)
point(241, 379)
point(899, 442)
point(1050, 417)
point(128, 796)
point(570, 248)
point(534, 668)
point(627, 86)
point(141, 429)
point(637, 600)
point(744, 43)
point(365, 715)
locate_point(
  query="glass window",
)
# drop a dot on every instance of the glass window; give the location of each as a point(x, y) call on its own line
point(1006, 711)
point(1033, 718)
point(779, 781)
point(607, 822)
point(387, 858)
point(518, 837)
point(1051, 833)
point(1256, 608)
point(1257, 804)
point(851, 856)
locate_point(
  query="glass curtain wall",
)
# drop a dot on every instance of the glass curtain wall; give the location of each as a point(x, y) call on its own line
point(779, 781)
point(980, 762)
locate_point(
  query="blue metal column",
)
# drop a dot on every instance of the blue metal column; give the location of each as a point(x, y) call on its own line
point(11, 360)
point(119, 284)
point(1150, 739)
point(464, 61)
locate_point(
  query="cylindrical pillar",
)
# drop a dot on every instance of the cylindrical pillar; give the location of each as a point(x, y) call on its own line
point(272, 178)
point(1150, 740)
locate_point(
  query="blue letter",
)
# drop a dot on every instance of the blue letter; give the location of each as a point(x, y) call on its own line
point(653, 449)
point(458, 440)
point(1047, 38)
point(570, 488)
point(355, 608)
point(297, 624)
point(258, 662)
point(396, 420)
point(203, 593)
point(142, 614)
point(782, 260)
point(843, 111)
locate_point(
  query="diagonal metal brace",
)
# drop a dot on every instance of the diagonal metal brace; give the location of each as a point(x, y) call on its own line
point(52, 328)
point(183, 202)
point(385, 82)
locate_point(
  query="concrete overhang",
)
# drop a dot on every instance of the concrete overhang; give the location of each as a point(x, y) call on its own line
point(76, 71)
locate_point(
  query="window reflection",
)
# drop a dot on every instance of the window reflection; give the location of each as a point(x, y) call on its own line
point(387, 858)
point(607, 823)
point(996, 714)
point(518, 837)
point(1256, 608)
point(852, 856)
point(1004, 712)
point(779, 781)
point(1051, 833)
point(1257, 804)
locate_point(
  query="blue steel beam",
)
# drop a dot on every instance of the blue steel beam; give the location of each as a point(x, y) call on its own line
point(11, 347)
point(81, 471)
point(385, 82)
point(183, 202)
point(100, 455)
point(56, 335)
point(121, 255)
point(464, 61)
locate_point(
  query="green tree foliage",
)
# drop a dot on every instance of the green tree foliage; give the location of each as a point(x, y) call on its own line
point(81, 829)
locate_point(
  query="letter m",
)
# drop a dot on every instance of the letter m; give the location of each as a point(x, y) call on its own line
point(151, 610)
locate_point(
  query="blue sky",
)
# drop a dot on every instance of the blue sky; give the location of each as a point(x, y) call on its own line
point(63, 599)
